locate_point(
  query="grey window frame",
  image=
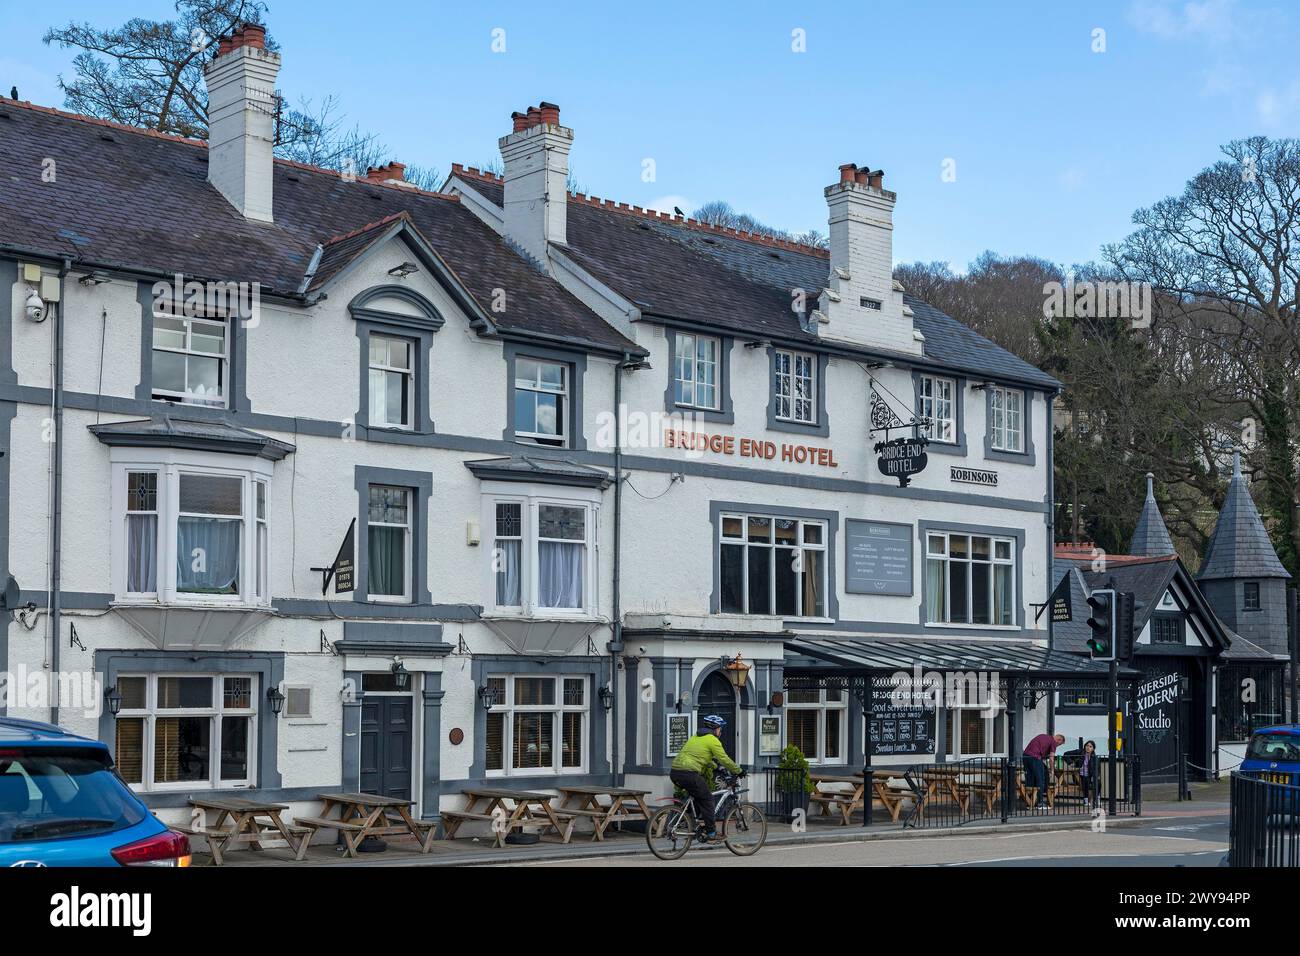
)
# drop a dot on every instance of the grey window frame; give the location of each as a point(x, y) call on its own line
point(958, 445)
point(1247, 588)
point(1027, 455)
point(575, 439)
point(420, 484)
point(236, 363)
point(725, 413)
point(419, 330)
point(822, 426)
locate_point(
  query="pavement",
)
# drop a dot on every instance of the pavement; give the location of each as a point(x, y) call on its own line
point(1169, 833)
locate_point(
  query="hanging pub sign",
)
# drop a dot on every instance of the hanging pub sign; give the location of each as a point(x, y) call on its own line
point(900, 458)
point(340, 572)
point(1062, 605)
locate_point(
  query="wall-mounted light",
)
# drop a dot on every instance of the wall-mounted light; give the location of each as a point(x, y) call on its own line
point(276, 700)
point(401, 676)
point(737, 671)
point(113, 697)
point(606, 697)
point(486, 696)
point(404, 270)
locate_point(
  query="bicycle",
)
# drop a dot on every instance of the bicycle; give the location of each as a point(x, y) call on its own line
point(742, 826)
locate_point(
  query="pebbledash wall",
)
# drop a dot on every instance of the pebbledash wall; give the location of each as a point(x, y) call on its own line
point(302, 378)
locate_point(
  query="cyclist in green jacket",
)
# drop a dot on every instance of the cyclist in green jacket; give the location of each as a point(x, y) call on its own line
point(692, 769)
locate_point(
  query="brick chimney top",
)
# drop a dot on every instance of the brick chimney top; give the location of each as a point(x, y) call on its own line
point(251, 35)
point(389, 172)
point(544, 112)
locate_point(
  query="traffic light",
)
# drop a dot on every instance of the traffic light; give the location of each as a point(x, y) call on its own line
point(1124, 625)
point(1101, 622)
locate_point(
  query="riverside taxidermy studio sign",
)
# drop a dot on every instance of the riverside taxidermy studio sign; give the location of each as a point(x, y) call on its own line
point(902, 458)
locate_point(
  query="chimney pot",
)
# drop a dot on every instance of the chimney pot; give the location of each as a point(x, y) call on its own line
point(225, 45)
point(254, 35)
point(876, 179)
point(550, 113)
point(860, 176)
point(520, 120)
point(534, 116)
point(847, 171)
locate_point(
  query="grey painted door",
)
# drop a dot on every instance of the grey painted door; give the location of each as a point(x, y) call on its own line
point(386, 739)
point(717, 696)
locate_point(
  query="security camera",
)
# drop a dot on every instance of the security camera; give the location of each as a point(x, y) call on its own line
point(35, 307)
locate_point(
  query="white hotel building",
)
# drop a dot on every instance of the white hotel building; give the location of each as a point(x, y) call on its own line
point(441, 371)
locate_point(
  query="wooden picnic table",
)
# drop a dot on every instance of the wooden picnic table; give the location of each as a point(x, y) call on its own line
point(508, 810)
point(241, 821)
point(843, 802)
point(624, 803)
point(360, 815)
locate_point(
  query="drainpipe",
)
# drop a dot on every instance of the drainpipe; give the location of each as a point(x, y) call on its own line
point(615, 646)
point(56, 522)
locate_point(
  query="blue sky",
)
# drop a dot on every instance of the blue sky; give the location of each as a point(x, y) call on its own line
point(1053, 144)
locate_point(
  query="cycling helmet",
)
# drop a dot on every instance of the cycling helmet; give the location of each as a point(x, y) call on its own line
point(713, 720)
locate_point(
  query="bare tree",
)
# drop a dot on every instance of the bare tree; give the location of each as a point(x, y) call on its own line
point(1226, 253)
point(149, 73)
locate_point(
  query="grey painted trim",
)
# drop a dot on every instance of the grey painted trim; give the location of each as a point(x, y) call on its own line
point(372, 637)
point(823, 426)
point(959, 407)
point(1027, 457)
point(725, 413)
point(7, 413)
point(954, 632)
point(922, 527)
point(259, 446)
point(422, 339)
point(491, 471)
point(431, 320)
point(267, 665)
point(28, 395)
point(431, 696)
point(599, 723)
point(237, 358)
point(310, 608)
point(80, 600)
point(577, 362)
point(8, 279)
point(832, 519)
point(421, 482)
point(350, 732)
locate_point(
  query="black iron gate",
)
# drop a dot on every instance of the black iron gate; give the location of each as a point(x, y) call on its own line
point(1265, 822)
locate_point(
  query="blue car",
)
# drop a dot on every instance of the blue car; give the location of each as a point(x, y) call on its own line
point(63, 804)
point(1274, 754)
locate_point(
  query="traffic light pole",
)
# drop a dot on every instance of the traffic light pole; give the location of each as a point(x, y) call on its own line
point(1112, 775)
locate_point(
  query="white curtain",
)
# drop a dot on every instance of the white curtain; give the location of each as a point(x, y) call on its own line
point(559, 574)
point(508, 554)
point(214, 569)
point(141, 553)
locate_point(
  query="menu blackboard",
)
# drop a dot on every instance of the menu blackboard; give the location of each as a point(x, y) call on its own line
point(898, 730)
point(877, 557)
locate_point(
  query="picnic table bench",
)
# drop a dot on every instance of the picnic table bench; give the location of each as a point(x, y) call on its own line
point(843, 802)
point(357, 816)
point(624, 803)
point(241, 821)
point(509, 810)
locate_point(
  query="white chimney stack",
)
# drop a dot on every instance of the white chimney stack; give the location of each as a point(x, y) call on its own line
point(866, 307)
point(536, 160)
point(241, 120)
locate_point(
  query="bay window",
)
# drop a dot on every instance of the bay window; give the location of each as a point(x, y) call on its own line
point(537, 725)
point(772, 565)
point(186, 731)
point(970, 579)
point(190, 528)
point(794, 386)
point(815, 723)
point(696, 372)
point(935, 401)
point(542, 555)
point(1006, 419)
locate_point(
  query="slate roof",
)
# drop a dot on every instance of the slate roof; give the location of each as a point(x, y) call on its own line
point(163, 431)
point(1148, 578)
point(1151, 537)
point(675, 268)
point(140, 201)
point(1240, 547)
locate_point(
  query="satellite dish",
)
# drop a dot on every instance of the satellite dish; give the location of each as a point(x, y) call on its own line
point(12, 594)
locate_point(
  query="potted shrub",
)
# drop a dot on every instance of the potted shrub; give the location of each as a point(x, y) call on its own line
point(792, 782)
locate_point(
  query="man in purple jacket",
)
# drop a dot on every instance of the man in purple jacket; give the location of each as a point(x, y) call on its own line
point(1037, 753)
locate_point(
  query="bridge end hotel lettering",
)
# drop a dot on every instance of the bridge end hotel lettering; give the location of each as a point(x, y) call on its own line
point(367, 537)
